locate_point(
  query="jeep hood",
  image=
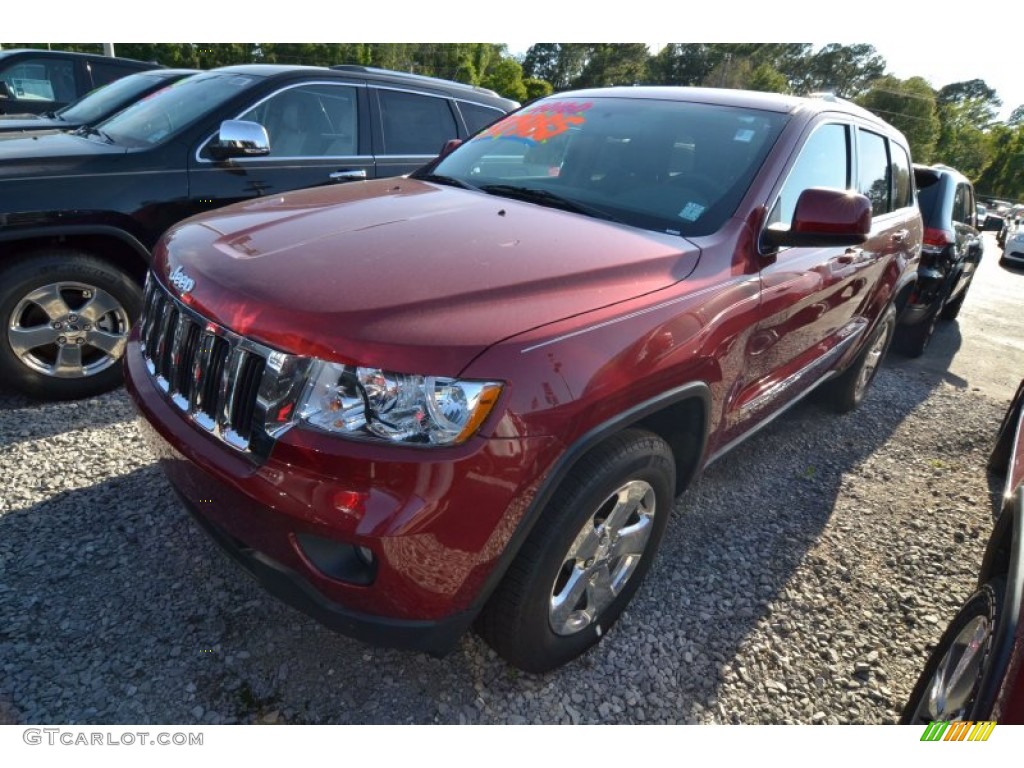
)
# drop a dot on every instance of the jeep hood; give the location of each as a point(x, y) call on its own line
point(406, 274)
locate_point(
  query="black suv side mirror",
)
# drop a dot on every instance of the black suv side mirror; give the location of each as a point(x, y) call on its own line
point(823, 218)
point(5, 90)
point(240, 138)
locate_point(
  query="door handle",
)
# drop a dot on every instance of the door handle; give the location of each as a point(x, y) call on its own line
point(900, 236)
point(852, 256)
point(353, 175)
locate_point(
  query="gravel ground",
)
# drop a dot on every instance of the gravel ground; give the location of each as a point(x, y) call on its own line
point(802, 579)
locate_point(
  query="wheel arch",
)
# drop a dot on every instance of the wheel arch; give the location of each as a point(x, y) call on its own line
point(110, 244)
point(669, 415)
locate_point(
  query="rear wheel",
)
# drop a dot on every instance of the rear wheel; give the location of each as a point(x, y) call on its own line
point(66, 318)
point(912, 340)
point(846, 392)
point(952, 309)
point(586, 556)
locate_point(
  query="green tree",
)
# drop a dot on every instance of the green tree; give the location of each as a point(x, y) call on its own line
point(1004, 175)
point(536, 88)
point(614, 64)
point(506, 78)
point(846, 70)
point(909, 105)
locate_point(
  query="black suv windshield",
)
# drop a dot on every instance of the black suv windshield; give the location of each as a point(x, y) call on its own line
point(155, 118)
point(95, 104)
point(670, 166)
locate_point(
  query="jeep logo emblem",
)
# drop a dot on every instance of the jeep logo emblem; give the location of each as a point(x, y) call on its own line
point(181, 281)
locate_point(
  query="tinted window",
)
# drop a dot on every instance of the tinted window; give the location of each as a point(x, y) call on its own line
point(669, 166)
point(929, 200)
point(41, 80)
point(904, 194)
point(310, 121)
point(414, 124)
point(103, 100)
point(104, 72)
point(166, 112)
point(874, 171)
point(961, 204)
point(823, 162)
point(477, 116)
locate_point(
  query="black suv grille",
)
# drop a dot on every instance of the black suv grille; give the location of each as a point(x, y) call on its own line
point(234, 388)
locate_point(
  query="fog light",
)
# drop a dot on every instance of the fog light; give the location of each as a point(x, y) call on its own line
point(338, 560)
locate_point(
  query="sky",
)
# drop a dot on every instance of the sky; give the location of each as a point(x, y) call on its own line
point(931, 43)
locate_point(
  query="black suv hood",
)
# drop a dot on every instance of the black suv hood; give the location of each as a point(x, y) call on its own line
point(28, 155)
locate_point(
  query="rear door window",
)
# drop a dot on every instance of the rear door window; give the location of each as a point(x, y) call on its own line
point(874, 178)
point(415, 124)
point(903, 195)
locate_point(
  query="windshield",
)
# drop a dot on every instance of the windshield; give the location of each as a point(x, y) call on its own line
point(108, 98)
point(671, 166)
point(163, 114)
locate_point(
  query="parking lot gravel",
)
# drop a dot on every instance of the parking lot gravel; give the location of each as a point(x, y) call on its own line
point(802, 579)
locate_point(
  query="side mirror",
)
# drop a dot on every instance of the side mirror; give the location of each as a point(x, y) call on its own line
point(240, 138)
point(5, 90)
point(824, 218)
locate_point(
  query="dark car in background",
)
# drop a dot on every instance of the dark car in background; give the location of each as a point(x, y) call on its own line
point(79, 212)
point(976, 672)
point(96, 106)
point(33, 81)
point(950, 255)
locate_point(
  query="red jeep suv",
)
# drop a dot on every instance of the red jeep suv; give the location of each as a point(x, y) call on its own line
point(473, 393)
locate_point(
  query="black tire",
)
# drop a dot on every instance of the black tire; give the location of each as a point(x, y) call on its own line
point(522, 620)
point(999, 459)
point(846, 392)
point(912, 340)
point(85, 304)
point(931, 699)
point(952, 309)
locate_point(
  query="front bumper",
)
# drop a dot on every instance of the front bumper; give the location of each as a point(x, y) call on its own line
point(436, 520)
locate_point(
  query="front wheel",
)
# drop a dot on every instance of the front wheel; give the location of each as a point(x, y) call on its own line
point(586, 556)
point(66, 318)
point(847, 391)
point(949, 684)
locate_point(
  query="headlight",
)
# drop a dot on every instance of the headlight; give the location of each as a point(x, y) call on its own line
point(395, 407)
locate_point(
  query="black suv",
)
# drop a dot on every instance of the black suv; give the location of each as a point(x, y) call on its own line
point(79, 212)
point(35, 81)
point(95, 106)
point(949, 257)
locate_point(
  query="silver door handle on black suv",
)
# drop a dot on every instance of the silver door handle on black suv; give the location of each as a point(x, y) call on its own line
point(353, 175)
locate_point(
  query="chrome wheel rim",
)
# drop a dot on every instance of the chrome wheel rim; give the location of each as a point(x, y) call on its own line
point(68, 330)
point(602, 558)
point(872, 361)
point(953, 686)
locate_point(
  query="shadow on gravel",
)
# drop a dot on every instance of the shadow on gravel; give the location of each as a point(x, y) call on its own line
point(23, 419)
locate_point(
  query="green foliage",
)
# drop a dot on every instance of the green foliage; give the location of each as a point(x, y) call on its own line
point(909, 105)
point(506, 78)
point(1004, 175)
point(537, 89)
point(845, 70)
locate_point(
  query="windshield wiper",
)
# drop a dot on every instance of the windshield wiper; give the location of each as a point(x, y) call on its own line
point(450, 181)
point(88, 130)
point(550, 199)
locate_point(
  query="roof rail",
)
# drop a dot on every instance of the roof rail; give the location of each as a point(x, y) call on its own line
point(412, 76)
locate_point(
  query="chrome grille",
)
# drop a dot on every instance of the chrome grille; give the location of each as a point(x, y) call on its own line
point(238, 390)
